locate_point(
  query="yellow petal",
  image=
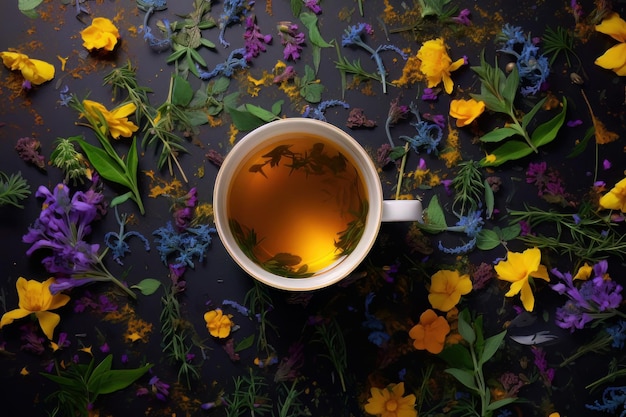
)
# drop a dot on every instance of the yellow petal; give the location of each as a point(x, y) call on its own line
point(516, 287)
point(48, 321)
point(24, 371)
point(613, 26)
point(457, 64)
point(13, 60)
point(541, 272)
point(448, 85)
point(9, 316)
point(584, 272)
point(614, 59)
point(55, 301)
point(124, 110)
point(527, 297)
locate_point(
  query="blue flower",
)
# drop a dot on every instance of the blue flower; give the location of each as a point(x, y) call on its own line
point(618, 334)
point(231, 14)
point(428, 137)
point(185, 246)
point(613, 400)
point(236, 60)
point(117, 241)
point(352, 35)
point(458, 250)
point(318, 113)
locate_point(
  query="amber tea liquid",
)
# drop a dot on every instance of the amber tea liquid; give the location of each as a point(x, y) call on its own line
point(297, 206)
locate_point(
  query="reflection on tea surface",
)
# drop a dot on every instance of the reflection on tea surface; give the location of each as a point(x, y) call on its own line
point(297, 206)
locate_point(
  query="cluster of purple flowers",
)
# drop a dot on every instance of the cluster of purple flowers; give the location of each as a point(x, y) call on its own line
point(291, 39)
point(28, 150)
point(62, 228)
point(255, 41)
point(548, 182)
point(597, 298)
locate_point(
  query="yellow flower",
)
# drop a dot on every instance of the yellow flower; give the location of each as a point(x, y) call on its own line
point(519, 269)
point(430, 333)
point(33, 70)
point(391, 402)
point(35, 298)
point(116, 120)
point(436, 64)
point(102, 34)
point(616, 198)
point(466, 111)
point(446, 289)
point(615, 57)
point(217, 323)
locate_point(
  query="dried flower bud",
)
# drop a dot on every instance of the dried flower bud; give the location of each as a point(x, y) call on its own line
point(509, 67)
point(576, 79)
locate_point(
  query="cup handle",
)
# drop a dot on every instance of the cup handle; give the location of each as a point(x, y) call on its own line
point(402, 211)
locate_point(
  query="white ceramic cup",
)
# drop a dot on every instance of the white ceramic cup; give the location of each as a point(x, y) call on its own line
point(379, 210)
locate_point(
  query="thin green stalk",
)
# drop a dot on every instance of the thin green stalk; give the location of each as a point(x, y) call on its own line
point(401, 172)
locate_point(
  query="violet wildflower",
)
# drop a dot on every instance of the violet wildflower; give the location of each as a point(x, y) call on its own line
point(233, 9)
point(463, 18)
point(289, 367)
point(64, 96)
point(430, 94)
point(27, 85)
point(104, 348)
point(291, 39)
point(395, 113)
point(577, 10)
point(255, 41)
point(606, 164)
point(482, 275)
point(288, 73)
point(595, 299)
point(159, 388)
point(574, 123)
point(28, 150)
point(241, 309)
point(383, 155)
point(32, 342)
point(313, 5)
point(62, 228)
point(438, 119)
point(353, 36)
point(318, 112)
point(540, 361)
point(117, 241)
point(236, 60)
point(511, 383)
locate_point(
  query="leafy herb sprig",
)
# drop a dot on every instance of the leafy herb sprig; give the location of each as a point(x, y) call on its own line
point(467, 363)
point(176, 334)
point(13, 189)
point(160, 123)
point(248, 397)
point(498, 92)
point(80, 384)
point(557, 42)
point(260, 304)
point(330, 335)
point(106, 161)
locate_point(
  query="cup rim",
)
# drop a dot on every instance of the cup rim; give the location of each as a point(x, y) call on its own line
point(257, 139)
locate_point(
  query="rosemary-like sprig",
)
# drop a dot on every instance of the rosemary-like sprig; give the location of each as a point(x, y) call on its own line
point(248, 398)
point(587, 236)
point(291, 405)
point(160, 122)
point(469, 188)
point(175, 337)
point(13, 189)
point(259, 303)
point(331, 336)
point(559, 41)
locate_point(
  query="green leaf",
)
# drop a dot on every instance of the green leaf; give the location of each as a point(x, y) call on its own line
point(432, 7)
point(117, 379)
point(509, 151)
point(309, 20)
point(243, 120)
point(312, 92)
point(108, 168)
point(277, 107)
point(260, 112)
point(436, 218)
point(122, 198)
point(175, 55)
point(147, 286)
point(93, 382)
point(487, 239)
point(529, 116)
point(220, 85)
point(465, 328)
point(510, 232)
point(197, 57)
point(491, 346)
point(509, 89)
point(464, 377)
point(489, 199)
point(497, 135)
point(245, 343)
point(457, 356)
point(500, 403)
point(132, 160)
point(546, 132)
point(64, 381)
point(26, 5)
point(182, 93)
point(207, 43)
point(582, 145)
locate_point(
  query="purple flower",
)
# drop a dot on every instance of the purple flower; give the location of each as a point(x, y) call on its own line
point(159, 388)
point(28, 150)
point(291, 39)
point(255, 41)
point(313, 5)
point(463, 18)
point(574, 123)
point(431, 94)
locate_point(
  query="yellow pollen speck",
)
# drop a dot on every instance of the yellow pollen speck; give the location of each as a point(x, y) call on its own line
point(24, 371)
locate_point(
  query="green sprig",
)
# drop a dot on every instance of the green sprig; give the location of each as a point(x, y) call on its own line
point(331, 336)
point(13, 189)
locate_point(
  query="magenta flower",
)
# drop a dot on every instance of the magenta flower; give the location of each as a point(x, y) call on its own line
point(255, 41)
point(291, 39)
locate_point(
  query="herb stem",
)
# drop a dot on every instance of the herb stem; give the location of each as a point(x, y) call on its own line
point(401, 172)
